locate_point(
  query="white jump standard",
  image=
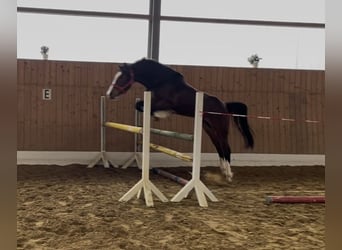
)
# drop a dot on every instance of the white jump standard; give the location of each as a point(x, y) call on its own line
point(102, 157)
point(195, 182)
point(145, 184)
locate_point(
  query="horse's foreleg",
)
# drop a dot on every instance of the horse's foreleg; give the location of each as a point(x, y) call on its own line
point(158, 110)
point(161, 108)
point(139, 105)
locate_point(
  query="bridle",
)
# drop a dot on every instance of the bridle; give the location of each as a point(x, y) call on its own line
point(122, 89)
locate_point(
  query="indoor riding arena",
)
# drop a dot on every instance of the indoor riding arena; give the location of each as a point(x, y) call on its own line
point(94, 173)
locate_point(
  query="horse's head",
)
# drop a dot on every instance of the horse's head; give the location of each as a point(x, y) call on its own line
point(122, 82)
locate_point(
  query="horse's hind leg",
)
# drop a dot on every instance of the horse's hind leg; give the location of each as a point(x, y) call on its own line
point(225, 163)
point(222, 144)
point(222, 149)
point(224, 154)
point(221, 131)
point(214, 139)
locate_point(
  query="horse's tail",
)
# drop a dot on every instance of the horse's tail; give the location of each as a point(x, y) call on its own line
point(241, 122)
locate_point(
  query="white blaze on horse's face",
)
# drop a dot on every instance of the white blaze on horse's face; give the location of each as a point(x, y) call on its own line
point(110, 89)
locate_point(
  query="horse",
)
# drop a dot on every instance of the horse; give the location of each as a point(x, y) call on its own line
point(172, 94)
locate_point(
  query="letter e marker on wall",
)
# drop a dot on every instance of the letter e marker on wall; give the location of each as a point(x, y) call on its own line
point(47, 94)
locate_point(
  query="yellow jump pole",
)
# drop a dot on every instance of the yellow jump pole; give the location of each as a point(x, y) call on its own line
point(124, 127)
point(173, 134)
point(138, 130)
point(171, 152)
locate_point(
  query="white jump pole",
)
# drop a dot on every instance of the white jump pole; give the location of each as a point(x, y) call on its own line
point(145, 184)
point(195, 182)
point(102, 157)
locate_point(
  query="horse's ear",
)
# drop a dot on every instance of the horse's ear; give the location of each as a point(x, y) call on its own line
point(124, 67)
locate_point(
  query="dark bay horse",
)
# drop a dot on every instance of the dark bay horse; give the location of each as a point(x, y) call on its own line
point(171, 94)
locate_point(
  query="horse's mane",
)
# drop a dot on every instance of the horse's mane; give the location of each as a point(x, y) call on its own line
point(148, 68)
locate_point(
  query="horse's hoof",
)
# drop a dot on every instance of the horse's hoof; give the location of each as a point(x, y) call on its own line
point(230, 177)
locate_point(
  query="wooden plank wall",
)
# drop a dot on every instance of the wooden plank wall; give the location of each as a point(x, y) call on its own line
point(70, 121)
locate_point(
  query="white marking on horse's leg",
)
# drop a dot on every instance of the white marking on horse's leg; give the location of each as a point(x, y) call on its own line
point(162, 114)
point(222, 167)
point(228, 172)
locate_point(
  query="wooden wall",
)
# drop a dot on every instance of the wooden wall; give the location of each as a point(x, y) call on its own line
point(71, 120)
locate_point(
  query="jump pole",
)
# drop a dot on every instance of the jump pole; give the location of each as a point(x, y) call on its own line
point(102, 157)
point(173, 177)
point(145, 184)
point(139, 130)
point(171, 152)
point(187, 137)
point(136, 157)
point(295, 199)
point(195, 182)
